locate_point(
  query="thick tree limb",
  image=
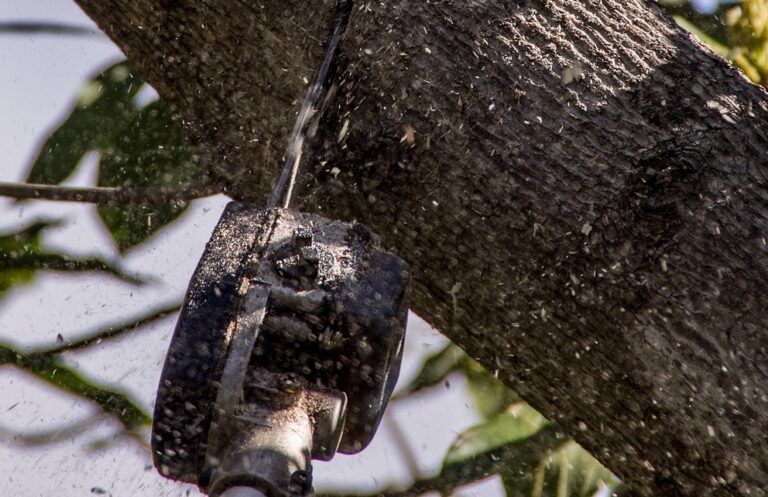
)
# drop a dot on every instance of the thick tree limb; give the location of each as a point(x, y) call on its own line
point(601, 241)
point(219, 48)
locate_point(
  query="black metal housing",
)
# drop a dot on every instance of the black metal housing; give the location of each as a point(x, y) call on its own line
point(335, 317)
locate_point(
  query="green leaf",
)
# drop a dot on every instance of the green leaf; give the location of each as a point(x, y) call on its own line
point(568, 471)
point(21, 255)
point(712, 43)
point(104, 107)
point(533, 460)
point(518, 422)
point(137, 147)
point(130, 225)
point(111, 400)
point(436, 368)
point(521, 456)
point(54, 372)
point(16, 245)
point(491, 396)
point(150, 152)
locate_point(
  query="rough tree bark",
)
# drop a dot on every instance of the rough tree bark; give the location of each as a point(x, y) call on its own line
point(601, 243)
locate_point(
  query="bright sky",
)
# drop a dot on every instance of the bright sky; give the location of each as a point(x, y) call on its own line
point(39, 79)
point(710, 5)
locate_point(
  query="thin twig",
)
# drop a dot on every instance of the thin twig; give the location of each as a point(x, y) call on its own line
point(60, 433)
point(134, 436)
point(400, 440)
point(109, 195)
point(45, 364)
point(59, 262)
point(22, 27)
point(49, 436)
point(110, 332)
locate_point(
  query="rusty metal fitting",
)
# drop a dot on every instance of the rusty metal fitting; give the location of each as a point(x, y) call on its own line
point(268, 439)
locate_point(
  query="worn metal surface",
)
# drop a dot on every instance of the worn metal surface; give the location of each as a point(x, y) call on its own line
point(195, 360)
point(279, 295)
point(268, 439)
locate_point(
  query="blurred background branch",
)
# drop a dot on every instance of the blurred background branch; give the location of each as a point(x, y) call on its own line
point(109, 332)
point(51, 435)
point(50, 369)
point(476, 468)
point(146, 195)
point(48, 28)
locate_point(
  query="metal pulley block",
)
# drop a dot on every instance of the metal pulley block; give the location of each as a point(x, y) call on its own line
point(287, 348)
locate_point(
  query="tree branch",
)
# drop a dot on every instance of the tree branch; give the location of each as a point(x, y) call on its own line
point(56, 373)
point(507, 458)
point(48, 436)
point(59, 262)
point(401, 442)
point(21, 27)
point(109, 195)
point(54, 435)
point(109, 332)
point(606, 235)
point(45, 364)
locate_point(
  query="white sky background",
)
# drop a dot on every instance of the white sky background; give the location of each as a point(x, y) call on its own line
point(39, 78)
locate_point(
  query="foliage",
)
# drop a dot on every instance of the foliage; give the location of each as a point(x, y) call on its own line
point(22, 254)
point(534, 461)
point(53, 371)
point(748, 37)
point(565, 471)
point(518, 422)
point(137, 146)
point(738, 32)
point(13, 246)
point(150, 151)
